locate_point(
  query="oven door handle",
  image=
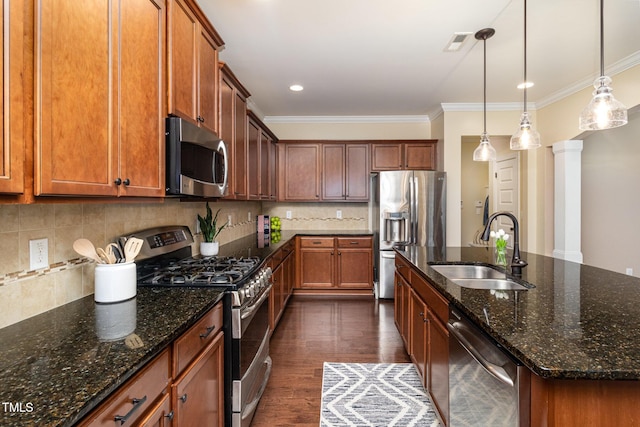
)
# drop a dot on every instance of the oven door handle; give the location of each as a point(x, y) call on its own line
point(251, 406)
point(248, 312)
point(492, 369)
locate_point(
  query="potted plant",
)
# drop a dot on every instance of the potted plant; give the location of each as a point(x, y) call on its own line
point(210, 230)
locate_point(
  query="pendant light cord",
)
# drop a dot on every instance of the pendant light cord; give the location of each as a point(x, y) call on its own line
point(525, 56)
point(601, 37)
point(484, 103)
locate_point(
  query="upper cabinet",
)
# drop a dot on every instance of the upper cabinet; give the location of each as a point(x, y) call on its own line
point(193, 65)
point(401, 155)
point(100, 97)
point(345, 170)
point(260, 164)
point(300, 172)
point(12, 147)
point(233, 130)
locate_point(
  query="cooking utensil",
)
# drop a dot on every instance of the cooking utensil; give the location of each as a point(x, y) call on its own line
point(104, 256)
point(133, 341)
point(85, 248)
point(132, 248)
point(114, 250)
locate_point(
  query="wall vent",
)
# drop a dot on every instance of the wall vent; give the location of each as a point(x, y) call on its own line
point(456, 41)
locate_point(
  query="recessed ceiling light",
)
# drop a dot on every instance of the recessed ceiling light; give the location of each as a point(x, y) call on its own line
point(525, 84)
point(296, 88)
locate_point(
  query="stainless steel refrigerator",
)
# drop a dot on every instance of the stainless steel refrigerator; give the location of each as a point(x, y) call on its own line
point(407, 207)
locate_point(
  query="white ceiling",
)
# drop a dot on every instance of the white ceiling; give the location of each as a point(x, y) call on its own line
point(387, 58)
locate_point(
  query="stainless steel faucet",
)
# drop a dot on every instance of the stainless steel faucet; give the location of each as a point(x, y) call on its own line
point(517, 263)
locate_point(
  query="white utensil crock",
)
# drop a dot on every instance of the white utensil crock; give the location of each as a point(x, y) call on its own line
point(115, 282)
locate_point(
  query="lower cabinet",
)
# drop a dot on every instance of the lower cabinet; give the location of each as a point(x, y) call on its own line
point(198, 394)
point(421, 316)
point(333, 263)
point(183, 386)
point(282, 264)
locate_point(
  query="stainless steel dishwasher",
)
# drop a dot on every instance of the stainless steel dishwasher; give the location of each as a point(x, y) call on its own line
point(487, 386)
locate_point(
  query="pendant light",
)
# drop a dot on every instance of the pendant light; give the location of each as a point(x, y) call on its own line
point(485, 151)
point(604, 111)
point(526, 137)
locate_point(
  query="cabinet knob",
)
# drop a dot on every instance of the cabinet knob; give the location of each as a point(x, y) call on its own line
point(183, 397)
point(200, 119)
point(169, 416)
point(118, 181)
point(126, 181)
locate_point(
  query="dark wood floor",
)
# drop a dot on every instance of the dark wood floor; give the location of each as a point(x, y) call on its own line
point(314, 330)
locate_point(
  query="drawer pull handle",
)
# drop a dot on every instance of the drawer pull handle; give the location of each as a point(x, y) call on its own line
point(317, 243)
point(208, 332)
point(137, 403)
point(183, 397)
point(354, 243)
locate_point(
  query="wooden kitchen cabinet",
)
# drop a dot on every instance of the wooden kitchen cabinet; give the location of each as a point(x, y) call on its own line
point(260, 169)
point(198, 394)
point(161, 415)
point(12, 146)
point(419, 334)
point(345, 172)
point(283, 267)
point(335, 263)
point(401, 300)
point(401, 155)
point(300, 171)
point(138, 398)
point(233, 130)
point(105, 136)
point(193, 65)
point(438, 364)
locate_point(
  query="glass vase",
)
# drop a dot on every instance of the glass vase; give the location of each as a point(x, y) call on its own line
point(501, 257)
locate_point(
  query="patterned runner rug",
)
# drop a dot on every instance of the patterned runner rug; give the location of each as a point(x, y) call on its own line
point(374, 394)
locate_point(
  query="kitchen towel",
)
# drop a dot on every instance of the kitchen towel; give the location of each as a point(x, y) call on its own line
point(374, 394)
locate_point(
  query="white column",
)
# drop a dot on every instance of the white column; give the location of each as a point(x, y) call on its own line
point(567, 200)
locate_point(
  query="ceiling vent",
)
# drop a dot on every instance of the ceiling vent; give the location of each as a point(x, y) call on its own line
point(456, 42)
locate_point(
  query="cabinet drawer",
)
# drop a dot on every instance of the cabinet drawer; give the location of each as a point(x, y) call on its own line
point(316, 242)
point(355, 242)
point(187, 347)
point(149, 384)
point(434, 300)
point(402, 268)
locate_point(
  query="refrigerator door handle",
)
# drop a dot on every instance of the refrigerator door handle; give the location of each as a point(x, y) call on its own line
point(414, 214)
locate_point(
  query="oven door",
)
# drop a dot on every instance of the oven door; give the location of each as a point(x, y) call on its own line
point(250, 333)
point(196, 160)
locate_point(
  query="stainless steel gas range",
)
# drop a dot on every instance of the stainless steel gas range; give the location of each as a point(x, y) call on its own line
point(166, 261)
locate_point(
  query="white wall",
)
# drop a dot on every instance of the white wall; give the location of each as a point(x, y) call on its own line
point(610, 198)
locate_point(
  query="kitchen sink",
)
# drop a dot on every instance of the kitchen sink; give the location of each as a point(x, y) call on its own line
point(494, 284)
point(478, 277)
point(461, 271)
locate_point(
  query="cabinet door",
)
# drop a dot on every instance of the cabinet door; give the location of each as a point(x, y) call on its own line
point(142, 102)
point(354, 268)
point(11, 106)
point(75, 83)
point(207, 82)
point(276, 297)
point(401, 306)
point(198, 395)
point(160, 416)
point(418, 337)
point(253, 160)
point(184, 33)
point(273, 182)
point(227, 128)
point(385, 157)
point(240, 149)
point(438, 358)
point(420, 156)
point(265, 150)
point(357, 172)
point(301, 169)
point(333, 172)
point(317, 266)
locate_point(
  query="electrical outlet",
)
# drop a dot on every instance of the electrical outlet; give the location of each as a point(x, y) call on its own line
point(38, 253)
point(198, 231)
point(249, 216)
point(229, 221)
point(288, 214)
point(339, 214)
point(629, 271)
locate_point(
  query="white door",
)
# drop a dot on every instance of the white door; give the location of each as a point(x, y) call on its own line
point(506, 189)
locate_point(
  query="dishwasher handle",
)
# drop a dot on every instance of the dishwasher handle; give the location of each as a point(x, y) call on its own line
point(494, 370)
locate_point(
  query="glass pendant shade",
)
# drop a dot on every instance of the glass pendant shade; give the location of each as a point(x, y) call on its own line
point(526, 138)
point(604, 111)
point(485, 151)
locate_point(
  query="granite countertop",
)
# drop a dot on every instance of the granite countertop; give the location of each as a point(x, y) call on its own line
point(60, 364)
point(579, 322)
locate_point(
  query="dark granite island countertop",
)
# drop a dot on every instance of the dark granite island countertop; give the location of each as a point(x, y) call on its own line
point(579, 322)
point(57, 366)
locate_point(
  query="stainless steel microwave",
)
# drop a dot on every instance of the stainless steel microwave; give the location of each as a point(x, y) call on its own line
point(196, 160)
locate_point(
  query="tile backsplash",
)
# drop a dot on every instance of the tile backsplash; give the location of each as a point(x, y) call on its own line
point(25, 293)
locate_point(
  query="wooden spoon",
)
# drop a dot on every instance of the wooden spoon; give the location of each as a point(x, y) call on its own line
point(85, 248)
point(132, 248)
point(108, 257)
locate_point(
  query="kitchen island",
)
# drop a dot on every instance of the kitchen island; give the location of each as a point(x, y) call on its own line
point(577, 330)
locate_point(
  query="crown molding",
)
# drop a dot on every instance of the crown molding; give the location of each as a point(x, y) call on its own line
point(615, 68)
point(347, 119)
